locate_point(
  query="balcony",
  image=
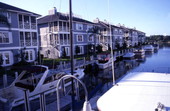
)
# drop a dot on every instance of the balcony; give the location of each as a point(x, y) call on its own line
point(33, 26)
point(34, 43)
point(26, 25)
point(22, 43)
point(27, 42)
point(20, 25)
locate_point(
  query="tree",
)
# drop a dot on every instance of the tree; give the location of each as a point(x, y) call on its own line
point(94, 31)
point(89, 48)
point(64, 52)
point(99, 49)
point(124, 45)
point(77, 50)
point(109, 48)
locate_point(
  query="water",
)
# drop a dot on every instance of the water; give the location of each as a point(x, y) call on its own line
point(98, 85)
point(152, 62)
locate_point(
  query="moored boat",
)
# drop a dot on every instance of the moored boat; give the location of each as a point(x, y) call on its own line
point(37, 79)
point(139, 52)
point(148, 48)
point(104, 60)
point(129, 55)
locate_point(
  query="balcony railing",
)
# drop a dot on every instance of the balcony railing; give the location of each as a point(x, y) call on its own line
point(33, 26)
point(27, 42)
point(27, 25)
point(34, 43)
point(20, 25)
point(22, 43)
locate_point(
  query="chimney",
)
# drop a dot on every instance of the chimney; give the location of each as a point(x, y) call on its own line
point(52, 11)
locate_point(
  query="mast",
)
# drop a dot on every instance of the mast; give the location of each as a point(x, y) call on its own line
point(111, 43)
point(71, 50)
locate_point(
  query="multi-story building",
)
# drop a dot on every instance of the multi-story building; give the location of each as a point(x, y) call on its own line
point(54, 34)
point(141, 37)
point(18, 34)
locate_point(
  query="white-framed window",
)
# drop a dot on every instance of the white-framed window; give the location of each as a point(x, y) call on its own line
point(5, 37)
point(81, 50)
point(90, 38)
point(89, 27)
point(7, 15)
point(67, 49)
point(79, 26)
point(6, 57)
point(29, 55)
point(79, 38)
point(116, 30)
point(120, 31)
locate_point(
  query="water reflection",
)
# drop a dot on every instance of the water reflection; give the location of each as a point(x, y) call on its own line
point(158, 61)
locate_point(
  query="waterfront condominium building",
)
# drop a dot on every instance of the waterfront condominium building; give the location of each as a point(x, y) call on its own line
point(54, 34)
point(18, 35)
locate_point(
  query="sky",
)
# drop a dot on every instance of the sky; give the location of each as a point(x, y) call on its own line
point(149, 16)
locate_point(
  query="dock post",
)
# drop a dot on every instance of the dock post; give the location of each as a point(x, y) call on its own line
point(16, 75)
point(26, 100)
point(42, 102)
point(5, 83)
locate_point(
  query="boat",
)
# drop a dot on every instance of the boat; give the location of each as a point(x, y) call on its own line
point(139, 52)
point(148, 48)
point(36, 79)
point(138, 91)
point(156, 46)
point(129, 55)
point(104, 60)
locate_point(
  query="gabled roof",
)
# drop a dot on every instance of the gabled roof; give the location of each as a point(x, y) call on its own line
point(60, 16)
point(4, 6)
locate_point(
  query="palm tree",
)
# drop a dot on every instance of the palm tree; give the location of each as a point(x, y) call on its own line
point(94, 31)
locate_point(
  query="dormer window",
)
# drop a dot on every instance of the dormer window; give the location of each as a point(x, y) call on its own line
point(79, 26)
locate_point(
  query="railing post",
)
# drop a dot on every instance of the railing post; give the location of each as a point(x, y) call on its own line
point(26, 100)
point(42, 102)
point(5, 83)
point(16, 75)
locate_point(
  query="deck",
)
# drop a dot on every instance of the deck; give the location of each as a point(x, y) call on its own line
point(140, 91)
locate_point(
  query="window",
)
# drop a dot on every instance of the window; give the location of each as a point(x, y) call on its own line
point(79, 26)
point(6, 58)
point(79, 38)
point(81, 50)
point(26, 19)
point(20, 18)
point(67, 51)
point(90, 39)
point(5, 37)
point(33, 20)
point(116, 30)
point(89, 27)
point(29, 55)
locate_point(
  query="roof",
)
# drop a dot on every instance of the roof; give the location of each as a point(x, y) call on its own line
point(60, 16)
point(13, 8)
point(138, 91)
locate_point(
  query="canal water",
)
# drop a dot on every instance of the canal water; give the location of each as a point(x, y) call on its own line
point(97, 85)
point(158, 61)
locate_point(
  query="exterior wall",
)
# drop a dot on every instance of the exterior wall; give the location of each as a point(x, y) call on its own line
point(62, 43)
point(10, 51)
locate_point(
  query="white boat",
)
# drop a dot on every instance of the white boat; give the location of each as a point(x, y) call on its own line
point(104, 60)
point(129, 55)
point(138, 91)
point(156, 46)
point(148, 48)
point(36, 79)
point(139, 52)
